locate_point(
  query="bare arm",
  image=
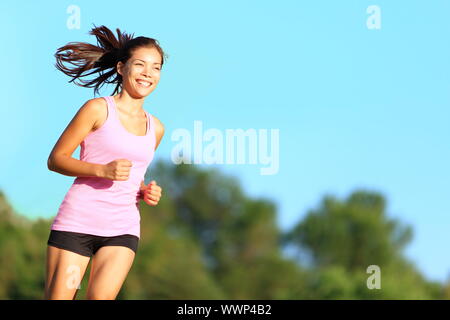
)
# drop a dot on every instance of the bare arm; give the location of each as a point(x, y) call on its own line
point(60, 159)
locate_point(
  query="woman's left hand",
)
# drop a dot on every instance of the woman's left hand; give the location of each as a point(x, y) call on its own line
point(152, 193)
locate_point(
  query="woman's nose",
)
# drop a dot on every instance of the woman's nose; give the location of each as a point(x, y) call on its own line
point(147, 71)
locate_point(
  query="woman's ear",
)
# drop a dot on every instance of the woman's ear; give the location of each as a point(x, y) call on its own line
point(119, 67)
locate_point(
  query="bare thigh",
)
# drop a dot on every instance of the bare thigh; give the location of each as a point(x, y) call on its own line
point(110, 266)
point(64, 272)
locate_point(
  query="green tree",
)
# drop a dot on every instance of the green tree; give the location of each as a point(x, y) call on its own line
point(238, 236)
point(343, 238)
point(207, 239)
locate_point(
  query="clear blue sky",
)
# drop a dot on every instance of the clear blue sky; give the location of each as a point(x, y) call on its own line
point(355, 107)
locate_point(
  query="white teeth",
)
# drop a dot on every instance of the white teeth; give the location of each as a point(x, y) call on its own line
point(144, 83)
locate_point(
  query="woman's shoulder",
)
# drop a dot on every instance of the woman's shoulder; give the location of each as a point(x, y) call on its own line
point(159, 126)
point(96, 103)
point(159, 130)
point(97, 109)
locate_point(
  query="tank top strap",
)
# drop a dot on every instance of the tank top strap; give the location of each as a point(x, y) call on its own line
point(113, 117)
point(151, 123)
point(111, 109)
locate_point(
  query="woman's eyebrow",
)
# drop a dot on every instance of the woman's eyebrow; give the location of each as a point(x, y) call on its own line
point(145, 61)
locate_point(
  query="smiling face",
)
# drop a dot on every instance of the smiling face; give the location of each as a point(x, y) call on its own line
point(141, 73)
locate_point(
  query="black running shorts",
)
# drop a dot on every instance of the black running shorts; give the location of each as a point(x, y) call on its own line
point(88, 244)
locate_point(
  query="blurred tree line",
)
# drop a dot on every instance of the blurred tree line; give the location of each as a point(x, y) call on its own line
point(208, 240)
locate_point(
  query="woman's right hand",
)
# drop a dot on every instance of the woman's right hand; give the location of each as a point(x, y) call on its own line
point(117, 170)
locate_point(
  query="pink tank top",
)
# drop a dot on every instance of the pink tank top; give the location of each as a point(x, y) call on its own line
point(100, 206)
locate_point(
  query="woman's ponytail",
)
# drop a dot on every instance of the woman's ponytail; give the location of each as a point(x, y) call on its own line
point(79, 59)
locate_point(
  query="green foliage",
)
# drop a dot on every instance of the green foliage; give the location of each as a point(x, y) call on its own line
point(22, 253)
point(207, 239)
point(344, 238)
point(353, 234)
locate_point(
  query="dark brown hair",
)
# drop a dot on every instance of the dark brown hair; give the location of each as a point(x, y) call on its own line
point(86, 59)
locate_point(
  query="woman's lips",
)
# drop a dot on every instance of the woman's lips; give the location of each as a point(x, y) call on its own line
point(144, 83)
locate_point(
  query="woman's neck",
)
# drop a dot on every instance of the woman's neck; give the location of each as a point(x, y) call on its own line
point(132, 105)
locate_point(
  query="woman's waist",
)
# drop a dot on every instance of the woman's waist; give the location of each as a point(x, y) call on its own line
point(111, 191)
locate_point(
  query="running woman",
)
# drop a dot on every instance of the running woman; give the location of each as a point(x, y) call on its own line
point(99, 216)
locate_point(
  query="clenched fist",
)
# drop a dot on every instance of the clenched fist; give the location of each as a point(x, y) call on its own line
point(116, 170)
point(151, 193)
